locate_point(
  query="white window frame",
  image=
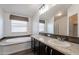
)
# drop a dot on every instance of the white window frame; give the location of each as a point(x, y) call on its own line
point(13, 31)
point(43, 29)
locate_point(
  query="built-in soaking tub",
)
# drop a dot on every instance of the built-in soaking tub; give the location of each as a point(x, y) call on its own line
point(9, 46)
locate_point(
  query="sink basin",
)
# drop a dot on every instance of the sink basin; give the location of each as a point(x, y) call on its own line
point(60, 43)
point(63, 44)
point(41, 39)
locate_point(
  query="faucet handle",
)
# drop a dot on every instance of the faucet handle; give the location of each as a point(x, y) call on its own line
point(49, 35)
point(59, 38)
point(63, 39)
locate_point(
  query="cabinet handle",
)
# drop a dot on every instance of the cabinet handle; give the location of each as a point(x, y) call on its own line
point(46, 49)
point(51, 52)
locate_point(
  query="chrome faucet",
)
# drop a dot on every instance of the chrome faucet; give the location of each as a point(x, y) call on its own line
point(61, 39)
point(49, 35)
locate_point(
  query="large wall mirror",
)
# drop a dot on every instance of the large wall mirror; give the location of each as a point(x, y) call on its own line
point(60, 25)
point(73, 25)
point(57, 22)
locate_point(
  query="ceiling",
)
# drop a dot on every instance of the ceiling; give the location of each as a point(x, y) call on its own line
point(23, 9)
point(54, 10)
point(29, 10)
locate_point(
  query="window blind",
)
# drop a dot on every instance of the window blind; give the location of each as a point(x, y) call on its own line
point(14, 17)
point(42, 21)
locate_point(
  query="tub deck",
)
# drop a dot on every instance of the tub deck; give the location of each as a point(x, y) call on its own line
point(9, 46)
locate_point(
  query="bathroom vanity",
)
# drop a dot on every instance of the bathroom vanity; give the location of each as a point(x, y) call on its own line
point(44, 45)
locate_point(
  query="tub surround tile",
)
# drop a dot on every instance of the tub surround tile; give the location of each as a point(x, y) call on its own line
point(24, 52)
point(14, 45)
point(15, 41)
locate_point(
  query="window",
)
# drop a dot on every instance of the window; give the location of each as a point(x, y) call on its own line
point(41, 27)
point(18, 26)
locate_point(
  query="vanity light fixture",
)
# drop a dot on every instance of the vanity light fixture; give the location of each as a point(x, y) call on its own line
point(45, 7)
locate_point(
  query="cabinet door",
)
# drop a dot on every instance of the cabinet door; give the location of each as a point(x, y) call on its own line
point(55, 52)
point(42, 48)
point(37, 51)
point(32, 44)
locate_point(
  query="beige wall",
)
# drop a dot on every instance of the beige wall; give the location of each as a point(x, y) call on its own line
point(35, 23)
point(1, 24)
point(61, 26)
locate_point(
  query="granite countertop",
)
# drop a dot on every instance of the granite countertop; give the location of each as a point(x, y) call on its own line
point(64, 47)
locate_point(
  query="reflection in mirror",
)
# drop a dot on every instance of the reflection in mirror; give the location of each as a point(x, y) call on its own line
point(56, 19)
point(73, 25)
point(60, 25)
point(41, 25)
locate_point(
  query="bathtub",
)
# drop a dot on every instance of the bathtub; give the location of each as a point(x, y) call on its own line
point(9, 46)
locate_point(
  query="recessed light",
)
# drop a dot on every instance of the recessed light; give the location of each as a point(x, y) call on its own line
point(59, 14)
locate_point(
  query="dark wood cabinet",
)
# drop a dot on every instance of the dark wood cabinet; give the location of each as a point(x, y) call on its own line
point(39, 48)
point(32, 44)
